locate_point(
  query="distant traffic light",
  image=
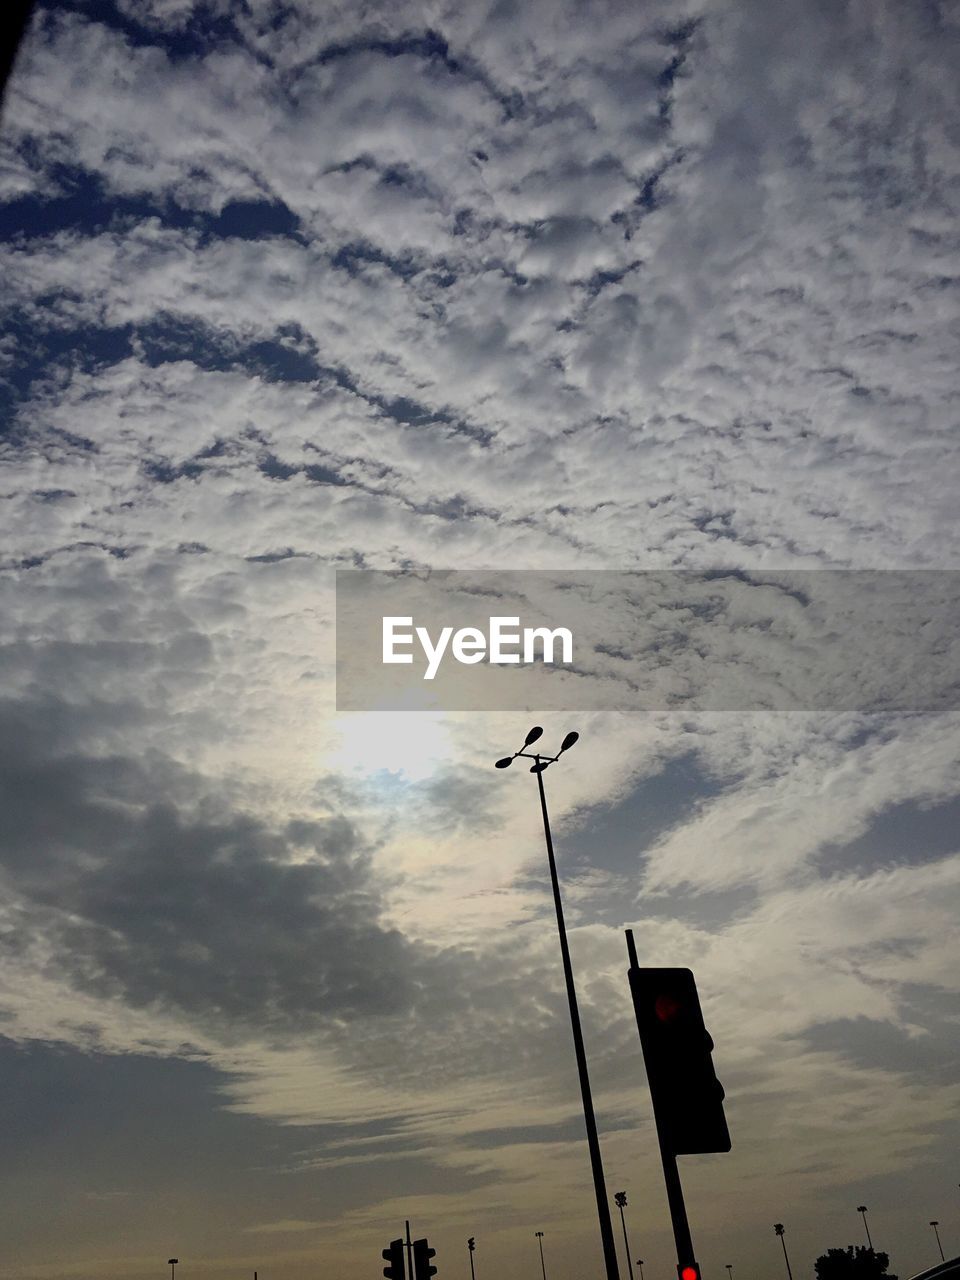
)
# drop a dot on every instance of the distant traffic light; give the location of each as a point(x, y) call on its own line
point(422, 1253)
point(394, 1255)
point(687, 1096)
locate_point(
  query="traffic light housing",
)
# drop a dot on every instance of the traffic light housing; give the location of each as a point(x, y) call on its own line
point(422, 1253)
point(687, 1096)
point(394, 1255)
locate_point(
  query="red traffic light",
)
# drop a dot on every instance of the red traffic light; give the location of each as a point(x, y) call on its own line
point(689, 1273)
point(666, 1007)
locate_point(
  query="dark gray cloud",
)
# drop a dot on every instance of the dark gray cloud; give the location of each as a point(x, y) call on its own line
point(906, 834)
point(926, 1057)
point(146, 887)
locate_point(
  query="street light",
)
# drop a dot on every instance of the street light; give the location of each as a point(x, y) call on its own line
point(729, 1266)
point(543, 1267)
point(541, 763)
point(172, 1263)
point(778, 1228)
point(621, 1199)
point(640, 1265)
point(862, 1210)
point(937, 1234)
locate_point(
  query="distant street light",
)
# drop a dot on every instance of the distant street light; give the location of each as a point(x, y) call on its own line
point(172, 1263)
point(778, 1228)
point(640, 1265)
point(540, 763)
point(621, 1199)
point(729, 1266)
point(543, 1265)
point(862, 1210)
point(937, 1234)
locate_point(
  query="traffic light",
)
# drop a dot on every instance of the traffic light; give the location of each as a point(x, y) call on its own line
point(394, 1255)
point(689, 1271)
point(422, 1253)
point(687, 1096)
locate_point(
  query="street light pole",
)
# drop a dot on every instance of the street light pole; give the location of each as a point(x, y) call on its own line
point(729, 1266)
point(173, 1267)
point(621, 1199)
point(543, 1265)
point(862, 1210)
point(778, 1228)
point(593, 1142)
point(937, 1234)
point(640, 1265)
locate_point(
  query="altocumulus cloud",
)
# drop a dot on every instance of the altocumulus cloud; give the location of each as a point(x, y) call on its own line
point(291, 288)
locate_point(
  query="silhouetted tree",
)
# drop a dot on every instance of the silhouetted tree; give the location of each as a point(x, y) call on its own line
point(853, 1263)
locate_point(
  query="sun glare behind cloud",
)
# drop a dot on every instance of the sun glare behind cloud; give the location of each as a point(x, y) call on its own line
point(412, 743)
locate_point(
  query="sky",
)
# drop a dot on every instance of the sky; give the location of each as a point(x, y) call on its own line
point(297, 287)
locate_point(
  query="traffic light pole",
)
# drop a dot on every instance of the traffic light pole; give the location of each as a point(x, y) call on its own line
point(671, 1174)
point(409, 1254)
point(593, 1141)
point(678, 1210)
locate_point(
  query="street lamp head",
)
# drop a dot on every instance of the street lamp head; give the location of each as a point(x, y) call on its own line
point(504, 763)
point(778, 1228)
point(539, 767)
point(569, 740)
point(861, 1208)
point(535, 733)
point(621, 1199)
point(935, 1224)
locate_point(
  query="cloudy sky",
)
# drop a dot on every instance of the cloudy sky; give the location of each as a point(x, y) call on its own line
point(293, 287)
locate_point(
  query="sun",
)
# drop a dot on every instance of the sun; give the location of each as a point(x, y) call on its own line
point(414, 744)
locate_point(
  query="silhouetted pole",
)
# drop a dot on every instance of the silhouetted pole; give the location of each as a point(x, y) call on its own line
point(543, 1265)
point(409, 1254)
point(778, 1228)
point(593, 1142)
point(173, 1267)
point(937, 1234)
point(621, 1199)
point(471, 1245)
point(729, 1266)
point(862, 1210)
point(640, 1265)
